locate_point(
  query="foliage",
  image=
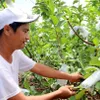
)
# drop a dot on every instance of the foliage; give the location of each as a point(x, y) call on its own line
point(51, 44)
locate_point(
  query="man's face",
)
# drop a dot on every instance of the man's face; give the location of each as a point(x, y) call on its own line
point(20, 37)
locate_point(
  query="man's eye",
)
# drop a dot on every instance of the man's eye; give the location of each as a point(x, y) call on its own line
point(25, 31)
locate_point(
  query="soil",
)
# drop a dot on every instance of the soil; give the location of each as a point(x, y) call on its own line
point(95, 97)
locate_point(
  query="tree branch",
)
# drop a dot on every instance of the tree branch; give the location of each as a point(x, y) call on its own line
point(89, 43)
point(29, 52)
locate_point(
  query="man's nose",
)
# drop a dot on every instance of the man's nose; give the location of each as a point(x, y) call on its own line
point(27, 36)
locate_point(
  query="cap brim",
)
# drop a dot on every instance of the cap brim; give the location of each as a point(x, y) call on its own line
point(36, 17)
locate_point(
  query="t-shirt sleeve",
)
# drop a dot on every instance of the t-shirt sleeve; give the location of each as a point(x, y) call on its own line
point(8, 86)
point(25, 63)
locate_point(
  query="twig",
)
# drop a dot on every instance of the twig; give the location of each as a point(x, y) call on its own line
point(78, 34)
point(29, 52)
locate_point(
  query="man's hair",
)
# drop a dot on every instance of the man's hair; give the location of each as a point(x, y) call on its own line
point(1, 31)
point(14, 26)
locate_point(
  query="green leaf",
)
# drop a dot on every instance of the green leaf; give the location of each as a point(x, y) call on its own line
point(51, 6)
point(60, 23)
point(80, 94)
point(72, 98)
point(87, 75)
point(80, 7)
point(54, 19)
point(96, 41)
point(75, 1)
point(97, 86)
point(91, 69)
point(63, 40)
point(26, 84)
point(4, 3)
point(95, 61)
point(46, 46)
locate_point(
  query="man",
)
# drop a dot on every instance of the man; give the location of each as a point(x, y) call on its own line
point(14, 27)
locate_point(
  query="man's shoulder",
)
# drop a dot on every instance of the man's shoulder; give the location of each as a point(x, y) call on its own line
point(18, 52)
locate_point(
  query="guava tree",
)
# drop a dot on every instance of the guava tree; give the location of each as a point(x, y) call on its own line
point(66, 35)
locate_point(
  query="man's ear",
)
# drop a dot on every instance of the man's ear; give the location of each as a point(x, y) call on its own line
point(7, 30)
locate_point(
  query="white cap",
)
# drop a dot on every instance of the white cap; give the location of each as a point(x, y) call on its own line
point(9, 16)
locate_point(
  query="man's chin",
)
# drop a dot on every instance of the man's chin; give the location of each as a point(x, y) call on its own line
point(22, 47)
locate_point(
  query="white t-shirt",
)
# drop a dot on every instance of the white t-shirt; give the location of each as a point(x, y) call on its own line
point(9, 85)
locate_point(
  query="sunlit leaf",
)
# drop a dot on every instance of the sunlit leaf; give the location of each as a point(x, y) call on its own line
point(96, 41)
point(95, 61)
point(54, 19)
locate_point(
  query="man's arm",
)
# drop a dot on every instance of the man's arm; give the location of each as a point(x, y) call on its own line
point(63, 92)
point(52, 73)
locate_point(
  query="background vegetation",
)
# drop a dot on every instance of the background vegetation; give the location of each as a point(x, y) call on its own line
point(52, 42)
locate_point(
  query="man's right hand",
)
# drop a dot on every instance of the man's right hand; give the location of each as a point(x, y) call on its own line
point(66, 92)
point(63, 93)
